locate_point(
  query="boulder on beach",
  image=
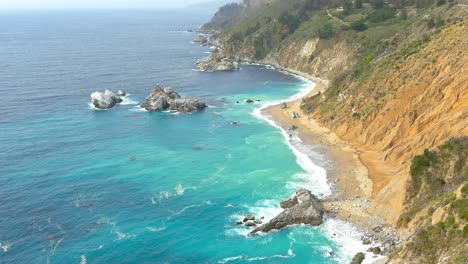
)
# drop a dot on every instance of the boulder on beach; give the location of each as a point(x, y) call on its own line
point(295, 115)
point(302, 208)
point(358, 258)
point(168, 99)
point(216, 62)
point(104, 100)
point(292, 127)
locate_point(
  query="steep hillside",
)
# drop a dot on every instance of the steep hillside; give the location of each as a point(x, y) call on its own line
point(397, 75)
point(436, 206)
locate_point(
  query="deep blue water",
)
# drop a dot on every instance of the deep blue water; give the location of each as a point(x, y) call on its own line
point(127, 186)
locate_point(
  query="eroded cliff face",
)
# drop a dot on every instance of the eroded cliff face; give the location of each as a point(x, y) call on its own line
point(414, 97)
point(403, 107)
point(314, 57)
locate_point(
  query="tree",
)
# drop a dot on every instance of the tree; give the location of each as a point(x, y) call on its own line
point(358, 4)
point(325, 31)
point(403, 14)
point(347, 7)
point(378, 4)
point(358, 25)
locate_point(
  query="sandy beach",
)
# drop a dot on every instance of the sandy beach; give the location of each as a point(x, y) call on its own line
point(348, 177)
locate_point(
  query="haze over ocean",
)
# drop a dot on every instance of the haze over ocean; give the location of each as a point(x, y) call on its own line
point(128, 186)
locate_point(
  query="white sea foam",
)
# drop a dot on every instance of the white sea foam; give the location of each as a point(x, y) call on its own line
point(155, 229)
point(316, 176)
point(5, 247)
point(290, 254)
point(138, 109)
point(116, 230)
point(83, 259)
point(127, 100)
point(349, 238)
point(266, 209)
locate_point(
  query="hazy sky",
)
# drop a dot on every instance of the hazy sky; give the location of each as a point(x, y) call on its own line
point(44, 4)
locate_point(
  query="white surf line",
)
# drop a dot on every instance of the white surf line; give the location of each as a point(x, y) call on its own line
point(352, 237)
point(317, 173)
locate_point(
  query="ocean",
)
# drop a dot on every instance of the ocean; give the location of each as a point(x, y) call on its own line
point(80, 185)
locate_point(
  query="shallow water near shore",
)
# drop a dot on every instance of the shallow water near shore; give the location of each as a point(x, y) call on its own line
point(128, 186)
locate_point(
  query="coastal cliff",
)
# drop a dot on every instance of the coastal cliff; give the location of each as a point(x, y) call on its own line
point(396, 85)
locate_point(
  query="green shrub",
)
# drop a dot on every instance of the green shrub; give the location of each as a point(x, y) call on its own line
point(325, 31)
point(381, 14)
point(359, 25)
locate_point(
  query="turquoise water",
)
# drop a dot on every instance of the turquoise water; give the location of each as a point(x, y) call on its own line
point(128, 186)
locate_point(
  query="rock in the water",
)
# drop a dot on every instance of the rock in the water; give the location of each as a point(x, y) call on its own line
point(249, 217)
point(358, 258)
point(249, 101)
point(167, 99)
point(366, 241)
point(250, 223)
point(215, 62)
point(308, 210)
point(105, 100)
point(200, 39)
point(121, 93)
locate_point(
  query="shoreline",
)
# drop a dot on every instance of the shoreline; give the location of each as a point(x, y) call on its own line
point(347, 177)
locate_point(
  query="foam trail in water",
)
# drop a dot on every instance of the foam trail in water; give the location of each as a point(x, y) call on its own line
point(83, 259)
point(155, 229)
point(316, 176)
point(189, 207)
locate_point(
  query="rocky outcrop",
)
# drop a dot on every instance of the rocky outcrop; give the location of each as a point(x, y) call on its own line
point(167, 99)
point(121, 93)
point(200, 39)
point(302, 208)
point(358, 258)
point(216, 62)
point(104, 100)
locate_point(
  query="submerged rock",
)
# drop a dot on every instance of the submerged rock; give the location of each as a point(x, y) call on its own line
point(167, 99)
point(215, 62)
point(302, 208)
point(104, 100)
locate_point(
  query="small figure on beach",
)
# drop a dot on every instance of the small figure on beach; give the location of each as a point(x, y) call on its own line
point(284, 105)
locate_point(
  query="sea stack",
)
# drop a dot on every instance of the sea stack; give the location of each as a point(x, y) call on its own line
point(302, 208)
point(168, 99)
point(105, 100)
point(216, 62)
